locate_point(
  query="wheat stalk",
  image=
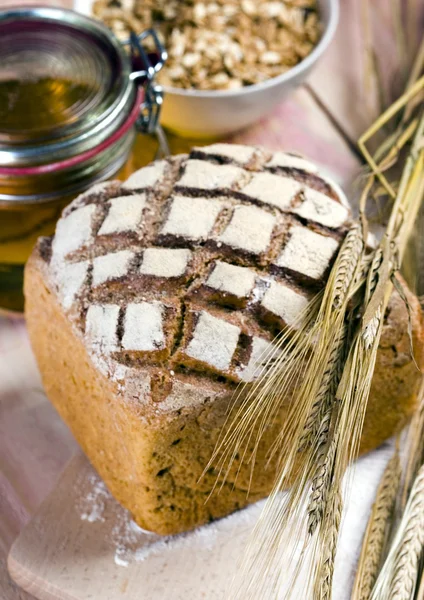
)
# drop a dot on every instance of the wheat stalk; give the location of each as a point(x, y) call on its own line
point(353, 395)
point(377, 530)
point(355, 297)
point(400, 572)
point(399, 577)
point(328, 332)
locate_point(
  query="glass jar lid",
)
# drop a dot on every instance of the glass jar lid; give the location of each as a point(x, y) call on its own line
point(65, 85)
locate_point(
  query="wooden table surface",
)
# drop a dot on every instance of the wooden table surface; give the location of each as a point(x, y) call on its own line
point(322, 119)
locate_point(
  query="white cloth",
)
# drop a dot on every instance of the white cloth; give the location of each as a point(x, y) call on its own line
point(212, 553)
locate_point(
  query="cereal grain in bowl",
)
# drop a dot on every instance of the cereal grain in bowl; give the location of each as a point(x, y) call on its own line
point(230, 62)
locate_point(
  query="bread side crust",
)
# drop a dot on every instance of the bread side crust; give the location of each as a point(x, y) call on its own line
point(152, 462)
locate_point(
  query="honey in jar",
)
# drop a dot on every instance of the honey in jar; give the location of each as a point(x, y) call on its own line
point(71, 98)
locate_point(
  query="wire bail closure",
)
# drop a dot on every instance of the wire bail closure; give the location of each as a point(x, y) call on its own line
point(145, 67)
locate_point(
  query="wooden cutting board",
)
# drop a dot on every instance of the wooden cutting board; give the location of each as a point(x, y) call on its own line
point(81, 545)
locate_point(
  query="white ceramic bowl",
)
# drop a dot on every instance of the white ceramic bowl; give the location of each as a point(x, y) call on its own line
point(213, 114)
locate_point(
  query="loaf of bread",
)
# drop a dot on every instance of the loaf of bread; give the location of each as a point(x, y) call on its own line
point(157, 297)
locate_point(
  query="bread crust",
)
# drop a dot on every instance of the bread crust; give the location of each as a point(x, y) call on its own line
point(158, 296)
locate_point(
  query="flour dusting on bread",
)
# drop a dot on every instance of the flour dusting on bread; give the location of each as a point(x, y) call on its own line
point(195, 262)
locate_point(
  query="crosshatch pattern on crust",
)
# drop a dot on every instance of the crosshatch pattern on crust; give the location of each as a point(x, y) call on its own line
point(195, 262)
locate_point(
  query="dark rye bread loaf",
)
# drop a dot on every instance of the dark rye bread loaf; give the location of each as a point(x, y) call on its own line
point(156, 297)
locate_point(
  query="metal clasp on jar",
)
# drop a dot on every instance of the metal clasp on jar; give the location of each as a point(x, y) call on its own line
point(146, 65)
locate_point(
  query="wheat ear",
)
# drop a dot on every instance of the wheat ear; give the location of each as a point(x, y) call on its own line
point(347, 264)
point(313, 430)
point(378, 527)
point(399, 576)
point(333, 517)
point(320, 383)
point(321, 482)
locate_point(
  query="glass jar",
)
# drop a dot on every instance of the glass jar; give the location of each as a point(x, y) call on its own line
point(71, 101)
